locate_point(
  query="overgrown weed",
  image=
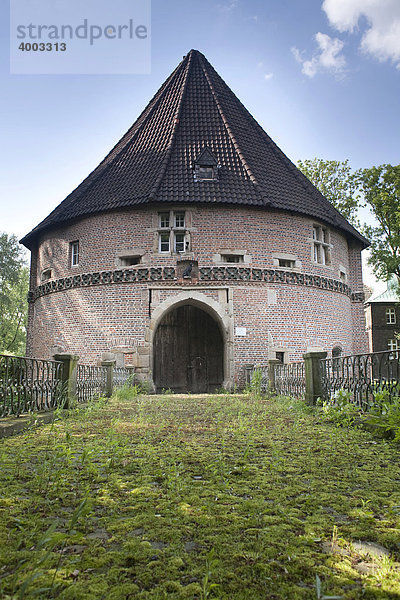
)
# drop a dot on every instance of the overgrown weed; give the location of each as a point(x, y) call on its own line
point(196, 497)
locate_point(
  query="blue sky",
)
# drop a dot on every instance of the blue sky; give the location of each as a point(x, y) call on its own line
point(321, 77)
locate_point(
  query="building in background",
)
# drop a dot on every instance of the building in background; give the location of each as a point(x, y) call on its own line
point(194, 249)
point(382, 316)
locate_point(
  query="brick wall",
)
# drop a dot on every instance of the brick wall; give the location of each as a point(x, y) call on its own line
point(91, 321)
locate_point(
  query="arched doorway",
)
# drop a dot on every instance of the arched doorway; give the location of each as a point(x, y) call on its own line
point(188, 351)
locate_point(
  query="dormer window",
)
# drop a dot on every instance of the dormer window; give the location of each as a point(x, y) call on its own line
point(206, 166)
point(205, 172)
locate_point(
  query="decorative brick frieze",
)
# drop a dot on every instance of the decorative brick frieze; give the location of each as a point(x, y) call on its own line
point(207, 274)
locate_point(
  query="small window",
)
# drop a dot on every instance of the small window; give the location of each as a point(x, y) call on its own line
point(47, 274)
point(74, 254)
point(232, 258)
point(392, 346)
point(342, 275)
point(179, 218)
point(129, 261)
point(205, 172)
point(280, 356)
point(164, 220)
point(287, 264)
point(321, 247)
point(164, 242)
point(390, 316)
point(179, 242)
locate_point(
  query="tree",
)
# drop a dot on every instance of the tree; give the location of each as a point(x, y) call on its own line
point(14, 284)
point(381, 189)
point(336, 181)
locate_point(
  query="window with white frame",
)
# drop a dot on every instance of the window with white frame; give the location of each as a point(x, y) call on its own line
point(393, 346)
point(172, 236)
point(390, 316)
point(164, 220)
point(179, 220)
point(164, 242)
point(74, 253)
point(321, 245)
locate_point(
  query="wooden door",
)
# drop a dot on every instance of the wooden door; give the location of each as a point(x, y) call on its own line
point(188, 352)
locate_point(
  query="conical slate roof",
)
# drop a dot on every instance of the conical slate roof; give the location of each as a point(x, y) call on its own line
point(194, 111)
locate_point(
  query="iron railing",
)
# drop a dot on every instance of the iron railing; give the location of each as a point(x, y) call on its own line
point(91, 382)
point(29, 385)
point(122, 376)
point(290, 379)
point(362, 375)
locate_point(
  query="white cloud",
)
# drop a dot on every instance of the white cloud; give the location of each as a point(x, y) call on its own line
point(268, 76)
point(381, 24)
point(328, 57)
point(228, 7)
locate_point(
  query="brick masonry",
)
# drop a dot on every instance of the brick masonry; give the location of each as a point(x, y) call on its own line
point(91, 321)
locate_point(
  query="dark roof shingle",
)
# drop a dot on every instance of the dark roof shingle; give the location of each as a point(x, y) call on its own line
point(153, 162)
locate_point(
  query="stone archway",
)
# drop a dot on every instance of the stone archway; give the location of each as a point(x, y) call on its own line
point(191, 346)
point(188, 351)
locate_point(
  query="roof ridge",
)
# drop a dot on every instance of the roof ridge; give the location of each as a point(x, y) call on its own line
point(170, 146)
point(227, 126)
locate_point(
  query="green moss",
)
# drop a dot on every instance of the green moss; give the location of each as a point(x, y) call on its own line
point(127, 499)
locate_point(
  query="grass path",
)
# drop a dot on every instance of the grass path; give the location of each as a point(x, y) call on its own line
point(197, 497)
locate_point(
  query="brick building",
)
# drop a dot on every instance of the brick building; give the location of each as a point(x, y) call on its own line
point(382, 316)
point(194, 249)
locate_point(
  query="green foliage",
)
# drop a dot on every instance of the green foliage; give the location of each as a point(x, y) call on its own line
point(128, 391)
point(194, 497)
point(340, 409)
point(384, 415)
point(256, 383)
point(381, 189)
point(211, 563)
point(14, 284)
point(336, 181)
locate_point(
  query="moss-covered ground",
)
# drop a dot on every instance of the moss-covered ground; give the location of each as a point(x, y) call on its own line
point(220, 496)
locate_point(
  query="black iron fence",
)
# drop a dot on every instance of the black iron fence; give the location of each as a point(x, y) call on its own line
point(29, 385)
point(290, 379)
point(91, 382)
point(122, 376)
point(363, 375)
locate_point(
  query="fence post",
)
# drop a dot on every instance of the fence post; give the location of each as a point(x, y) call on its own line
point(312, 370)
point(271, 374)
point(68, 375)
point(109, 365)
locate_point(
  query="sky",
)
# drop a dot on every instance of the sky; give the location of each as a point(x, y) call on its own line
point(322, 77)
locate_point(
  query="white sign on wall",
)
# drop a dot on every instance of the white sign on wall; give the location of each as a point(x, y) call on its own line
point(240, 331)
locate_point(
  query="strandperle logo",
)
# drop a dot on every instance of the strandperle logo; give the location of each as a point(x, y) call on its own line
point(85, 31)
point(80, 37)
